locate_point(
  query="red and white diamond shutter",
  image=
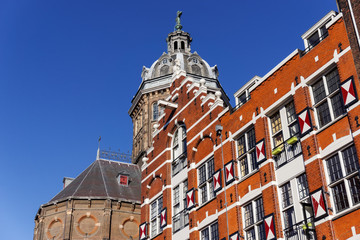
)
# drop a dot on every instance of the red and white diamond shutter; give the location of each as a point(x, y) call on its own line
point(269, 223)
point(260, 151)
point(235, 236)
point(143, 231)
point(318, 204)
point(163, 216)
point(217, 180)
point(190, 198)
point(304, 122)
point(348, 92)
point(229, 172)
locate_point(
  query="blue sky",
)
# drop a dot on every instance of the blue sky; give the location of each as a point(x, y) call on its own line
point(69, 69)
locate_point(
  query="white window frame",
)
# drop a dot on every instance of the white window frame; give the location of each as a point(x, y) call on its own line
point(206, 185)
point(257, 224)
point(327, 99)
point(179, 150)
point(345, 179)
point(296, 201)
point(156, 217)
point(290, 151)
point(247, 154)
point(210, 236)
point(181, 214)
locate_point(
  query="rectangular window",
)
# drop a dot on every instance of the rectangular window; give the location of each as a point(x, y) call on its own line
point(284, 126)
point(328, 102)
point(286, 195)
point(180, 212)
point(302, 186)
point(334, 168)
point(249, 217)
point(210, 232)
point(246, 152)
point(253, 219)
point(155, 210)
point(342, 169)
point(289, 217)
point(206, 187)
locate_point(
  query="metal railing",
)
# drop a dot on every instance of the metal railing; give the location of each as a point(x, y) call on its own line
point(304, 230)
point(313, 44)
point(242, 102)
point(180, 220)
point(288, 152)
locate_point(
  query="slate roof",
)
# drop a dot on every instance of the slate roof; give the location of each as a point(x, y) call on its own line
point(99, 181)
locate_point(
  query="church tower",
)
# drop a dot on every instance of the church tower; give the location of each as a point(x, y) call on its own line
point(156, 80)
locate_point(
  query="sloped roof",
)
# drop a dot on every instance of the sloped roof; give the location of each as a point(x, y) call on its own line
point(99, 181)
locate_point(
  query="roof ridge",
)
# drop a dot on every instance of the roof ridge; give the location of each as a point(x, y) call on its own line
point(102, 175)
point(92, 166)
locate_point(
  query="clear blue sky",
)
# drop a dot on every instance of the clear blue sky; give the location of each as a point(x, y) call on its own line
point(69, 69)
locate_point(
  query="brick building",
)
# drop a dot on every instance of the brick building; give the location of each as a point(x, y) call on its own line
point(103, 202)
point(282, 164)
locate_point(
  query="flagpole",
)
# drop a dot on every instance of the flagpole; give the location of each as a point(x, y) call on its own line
point(219, 129)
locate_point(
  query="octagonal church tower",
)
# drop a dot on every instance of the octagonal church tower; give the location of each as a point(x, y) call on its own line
point(156, 80)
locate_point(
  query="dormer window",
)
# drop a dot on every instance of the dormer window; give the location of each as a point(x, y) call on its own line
point(194, 60)
point(317, 33)
point(123, 179)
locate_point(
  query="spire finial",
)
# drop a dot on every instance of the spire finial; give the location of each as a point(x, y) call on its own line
point(178, 25)
point(98, 150)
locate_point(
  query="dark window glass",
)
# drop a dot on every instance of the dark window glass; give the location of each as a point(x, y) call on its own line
point(286, 195)
point(340, 197)
point(251, 138)
point(259, 209)
point(202, 174)
point(314, 39)
point(249, 218)
point(337, 105)
point(351, 161)
point(253, 160)
point(214, 232)
point(289, 217)
point(323, 113)
point(242, 98)
point(210, 168)
point(203, 193)
point(355, 189)
point(250, 234)
point(333, 80)
point(261, 231)
point(334, 168)
point(290, 112)
point(319, 91)
point(303, 186)
point(205, 234)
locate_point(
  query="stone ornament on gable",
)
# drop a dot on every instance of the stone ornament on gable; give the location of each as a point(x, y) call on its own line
point(177, 66)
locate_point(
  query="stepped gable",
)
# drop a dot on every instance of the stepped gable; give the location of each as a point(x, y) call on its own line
point(99, 181)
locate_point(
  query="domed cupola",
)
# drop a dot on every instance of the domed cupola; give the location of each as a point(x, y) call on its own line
point(179, 47)
point(156, 82)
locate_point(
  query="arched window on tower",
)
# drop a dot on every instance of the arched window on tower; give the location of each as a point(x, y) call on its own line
point(179, 150)
point(155, 110)
point(182, 45)
point(175, 45)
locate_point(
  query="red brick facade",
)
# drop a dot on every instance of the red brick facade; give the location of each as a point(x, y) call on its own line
point(326, 156)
